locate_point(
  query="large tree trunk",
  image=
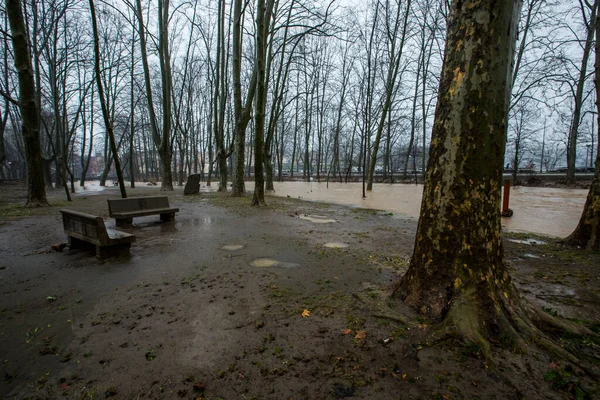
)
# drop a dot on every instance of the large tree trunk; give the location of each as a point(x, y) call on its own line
point(457, 273)
point(36, 190)
point(587, 233)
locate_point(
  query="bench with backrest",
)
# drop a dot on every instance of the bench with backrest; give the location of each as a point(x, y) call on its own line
point(84, 229)
point(123, 210)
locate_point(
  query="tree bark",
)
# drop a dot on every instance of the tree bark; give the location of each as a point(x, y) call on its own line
point(457, 273)
point(30, 126)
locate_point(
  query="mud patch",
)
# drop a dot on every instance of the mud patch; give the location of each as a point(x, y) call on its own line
point(317, 219)
point(232, 247)
point(336, 245)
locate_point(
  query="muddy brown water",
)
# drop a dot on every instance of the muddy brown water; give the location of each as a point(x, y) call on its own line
point(546, 211)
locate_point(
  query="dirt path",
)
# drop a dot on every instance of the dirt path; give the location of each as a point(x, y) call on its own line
point(184, 317)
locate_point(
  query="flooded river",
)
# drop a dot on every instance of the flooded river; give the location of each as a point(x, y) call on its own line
point(547, 211)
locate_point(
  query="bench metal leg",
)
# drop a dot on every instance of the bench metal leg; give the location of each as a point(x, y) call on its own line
point(167, 217)
point(123, 221)
point(75, 243)
point(114, 250)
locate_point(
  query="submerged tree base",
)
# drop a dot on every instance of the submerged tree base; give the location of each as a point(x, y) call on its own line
point(36, 203)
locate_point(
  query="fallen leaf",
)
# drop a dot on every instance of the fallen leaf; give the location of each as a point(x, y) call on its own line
point(403, 376)
point(305, 313)
point(199, 386)
point(346, 331)
point(360, 335)
point(58, 246)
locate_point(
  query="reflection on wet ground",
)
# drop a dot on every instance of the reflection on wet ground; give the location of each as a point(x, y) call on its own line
point(336, 245)
point(546, 211)
point(232, 247)
point(317, 219)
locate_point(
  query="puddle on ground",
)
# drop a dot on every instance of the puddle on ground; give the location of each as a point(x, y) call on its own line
point(232, 247)
point(269, 262)
point(336, 245)
point(317, 219)
point(265, 263)
point(527, 241)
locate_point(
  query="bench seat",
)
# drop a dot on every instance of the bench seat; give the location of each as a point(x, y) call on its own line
point(124, 210)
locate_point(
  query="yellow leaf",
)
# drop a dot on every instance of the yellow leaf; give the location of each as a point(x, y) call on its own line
point(305, 313)
point(360, 335)
point(403, 376)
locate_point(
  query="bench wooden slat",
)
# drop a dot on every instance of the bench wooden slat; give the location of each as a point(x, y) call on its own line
point(142, 213)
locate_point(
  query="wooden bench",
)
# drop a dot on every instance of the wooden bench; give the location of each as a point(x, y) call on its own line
point(83, 229)
point(123, 210)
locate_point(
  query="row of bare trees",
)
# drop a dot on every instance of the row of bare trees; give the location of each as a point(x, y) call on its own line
point(160, 90)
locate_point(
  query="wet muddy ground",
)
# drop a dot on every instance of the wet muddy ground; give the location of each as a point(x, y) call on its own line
point(285, 302)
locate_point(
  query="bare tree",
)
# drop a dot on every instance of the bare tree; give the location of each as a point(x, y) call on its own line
point(589, 12)
point(103, 104)
point(242, 110)
point(162, 138)
point(587, 233)
point(396, 32)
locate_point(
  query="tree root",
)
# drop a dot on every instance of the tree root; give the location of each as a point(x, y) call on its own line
point(378, 310)
point(396, 318)
point(520, 325)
